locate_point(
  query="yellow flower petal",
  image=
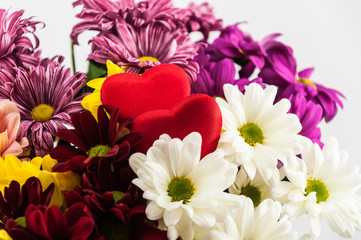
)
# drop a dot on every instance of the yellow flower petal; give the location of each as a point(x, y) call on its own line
point(113, 68)
point(12, 169)
point(4, 235)
point(96, 83)
point(92, 102)
point(48, 163)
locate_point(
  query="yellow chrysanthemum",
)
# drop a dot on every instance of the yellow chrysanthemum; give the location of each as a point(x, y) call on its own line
point(13, 169)
point(92, 101)
point(4, 235)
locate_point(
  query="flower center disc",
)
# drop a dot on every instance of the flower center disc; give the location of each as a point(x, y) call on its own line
point(42, 113)
point(306, 82)
point(314, 185)
point(251, 134)
point(253, 193)
point(98, 151)
point(181, 189)
point(148, 58)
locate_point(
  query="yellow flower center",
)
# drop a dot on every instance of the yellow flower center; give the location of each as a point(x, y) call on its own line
point(306, 82)
point(251, 134)
point(42, 113)
point(148, 58)
point(98, 151)
point(314, 185)
point(181, 189)
point(253, 193)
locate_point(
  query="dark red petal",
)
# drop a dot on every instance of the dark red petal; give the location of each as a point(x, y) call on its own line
point(89, 128)
point(18, 232)
point(75, 212)
point(82, 229)
point(64, 153)
point(72, 137)
point(55, 222)
point(35, 221)
point(72, 197)
point(103, 121)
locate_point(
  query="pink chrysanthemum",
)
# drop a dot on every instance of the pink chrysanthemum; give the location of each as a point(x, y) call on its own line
point(101, 15)
point(16, 48)
point(45, 99)
point(146, 47)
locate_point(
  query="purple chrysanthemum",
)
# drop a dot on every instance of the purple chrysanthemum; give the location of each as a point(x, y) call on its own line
point(45, 99)
point(239, 46)
point(145, 47)
point(281, 70)
point(16, 49)
point(310, 115)
point(213, 75)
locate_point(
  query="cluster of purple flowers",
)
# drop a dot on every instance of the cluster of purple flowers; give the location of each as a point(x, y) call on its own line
point(266, 62)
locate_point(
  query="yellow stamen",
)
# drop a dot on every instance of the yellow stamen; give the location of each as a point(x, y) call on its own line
point(306, 82)
point(148, 58)
point(42, 112)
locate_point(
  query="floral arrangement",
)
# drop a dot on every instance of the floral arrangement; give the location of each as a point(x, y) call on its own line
point(166, 137)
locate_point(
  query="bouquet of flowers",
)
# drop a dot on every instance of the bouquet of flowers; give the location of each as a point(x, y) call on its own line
point(166, 137)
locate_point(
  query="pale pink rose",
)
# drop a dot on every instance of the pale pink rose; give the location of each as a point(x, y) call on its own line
point(10, 129)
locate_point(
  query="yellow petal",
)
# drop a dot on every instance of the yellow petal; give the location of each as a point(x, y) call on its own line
point(96, 83)
point(113, 68)
point(92, 102)
point(4, 235)
point(46, 178)
point(67, 180)
point(48, 163)
point(37, 161)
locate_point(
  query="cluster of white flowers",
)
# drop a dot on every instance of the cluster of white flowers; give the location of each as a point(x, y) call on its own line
point(237, 192)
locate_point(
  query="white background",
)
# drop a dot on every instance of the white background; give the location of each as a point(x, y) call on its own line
point(325, 34)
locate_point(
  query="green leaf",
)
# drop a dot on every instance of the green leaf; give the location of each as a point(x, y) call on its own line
point(96, 70)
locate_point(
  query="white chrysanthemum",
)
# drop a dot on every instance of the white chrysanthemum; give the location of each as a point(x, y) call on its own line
point(257, 132)
point(319, 186)
point(182, 190)
point(257, 190)
point(261, 223)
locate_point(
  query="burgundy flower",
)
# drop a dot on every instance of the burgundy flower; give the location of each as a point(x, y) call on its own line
point(14, 200)
point(281, 70)
point(118, 215)
point(214, 74)
point(45, 99)
point(16, 48)
point(239, 46)
point(50, 223)
point(93, 141)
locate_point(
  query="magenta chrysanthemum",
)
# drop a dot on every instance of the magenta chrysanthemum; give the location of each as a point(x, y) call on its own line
point(45, 99)
point(16, 48)
point(281, 70)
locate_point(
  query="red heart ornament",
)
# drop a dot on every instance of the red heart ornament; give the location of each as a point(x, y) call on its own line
point(157, 88)
point(196, 113)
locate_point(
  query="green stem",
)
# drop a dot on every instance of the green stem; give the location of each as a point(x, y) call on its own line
point(73, 58)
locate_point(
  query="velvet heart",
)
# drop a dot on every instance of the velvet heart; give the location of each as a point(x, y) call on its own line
point(196, 113)
point(157, 88)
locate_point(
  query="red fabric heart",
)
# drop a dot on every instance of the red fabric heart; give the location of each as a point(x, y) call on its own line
point(196, 113)
point(158, 88)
